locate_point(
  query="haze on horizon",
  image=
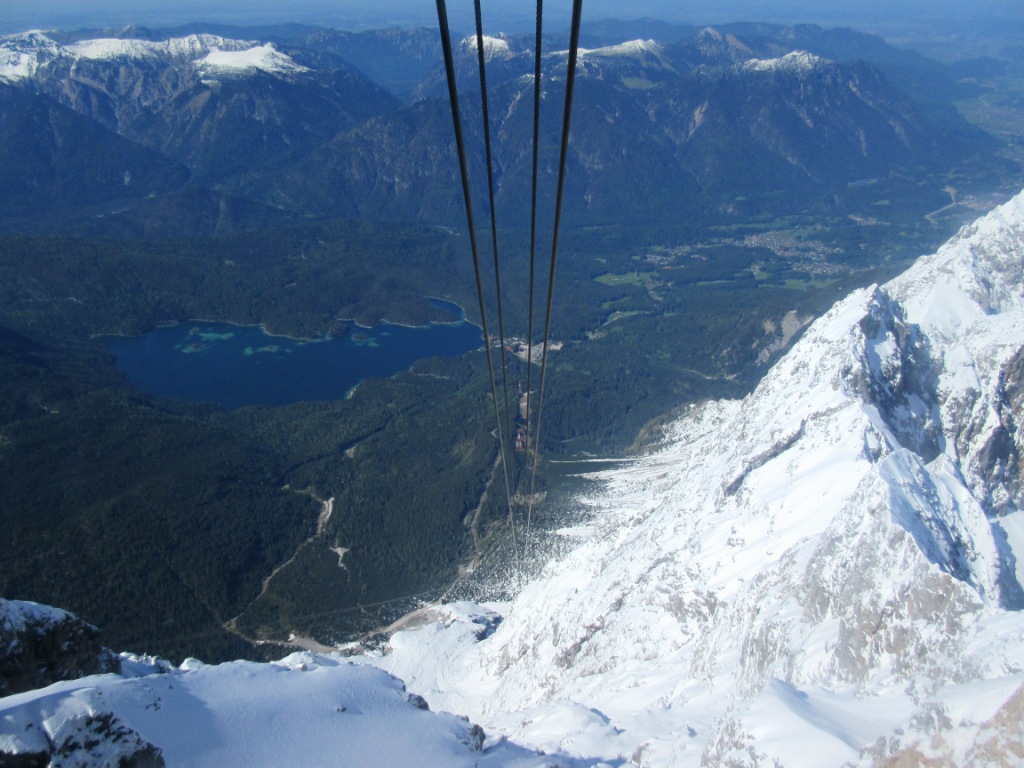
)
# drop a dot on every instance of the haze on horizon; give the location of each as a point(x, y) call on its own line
point(506, 15)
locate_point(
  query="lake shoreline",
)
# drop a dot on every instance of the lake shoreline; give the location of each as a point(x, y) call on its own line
point(265, 327)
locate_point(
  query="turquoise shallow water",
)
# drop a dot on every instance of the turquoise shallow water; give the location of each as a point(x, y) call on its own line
point(242, 365)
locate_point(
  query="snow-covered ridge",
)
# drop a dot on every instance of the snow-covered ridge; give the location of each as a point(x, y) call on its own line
point(974, 276)
point(187, 48)
point(18, 615)
point(304, 710)
point(631, 48)
point(22, 56)
point(814, 576)
point(712, 35)
point(635, 58)
point(795, 61)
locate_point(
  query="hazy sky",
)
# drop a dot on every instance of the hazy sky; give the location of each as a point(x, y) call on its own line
point(17, 15)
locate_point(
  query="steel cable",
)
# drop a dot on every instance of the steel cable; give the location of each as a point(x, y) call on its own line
point(570, 83)
point(449, 64)
point(482, 66)
point(528, 442)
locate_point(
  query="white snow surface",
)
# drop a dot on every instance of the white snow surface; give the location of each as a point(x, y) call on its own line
point(648, 54)
point(189, 48)
point(806, 577)
point(17, 615)
point(305, 710)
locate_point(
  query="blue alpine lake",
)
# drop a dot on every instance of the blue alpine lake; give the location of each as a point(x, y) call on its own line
point(242, 365)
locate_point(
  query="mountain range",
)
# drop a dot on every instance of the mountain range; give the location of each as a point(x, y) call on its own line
point(728, 123)
point(824, 573)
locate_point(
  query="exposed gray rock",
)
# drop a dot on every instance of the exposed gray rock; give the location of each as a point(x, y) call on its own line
point(897, 373)
point(999, 460)
point(88, 740)
point(102, 740)
point(41, 645)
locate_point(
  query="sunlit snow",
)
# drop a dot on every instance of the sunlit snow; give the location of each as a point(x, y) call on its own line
point(305, 710)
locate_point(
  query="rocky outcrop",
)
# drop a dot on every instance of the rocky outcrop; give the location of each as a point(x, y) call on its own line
point(83, 739)
point(40, 645)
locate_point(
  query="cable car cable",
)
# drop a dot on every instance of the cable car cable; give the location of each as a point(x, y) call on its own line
point(453, 95)
point(533, 228)
point(490, 196)
point(570, 83)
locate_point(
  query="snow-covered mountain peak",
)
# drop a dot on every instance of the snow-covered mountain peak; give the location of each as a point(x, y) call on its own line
point(649, 54)
point(38, 37)
point(23, 54)
point(710, 40)
point(634, 64)
point(495, 48)
point(710, 33)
